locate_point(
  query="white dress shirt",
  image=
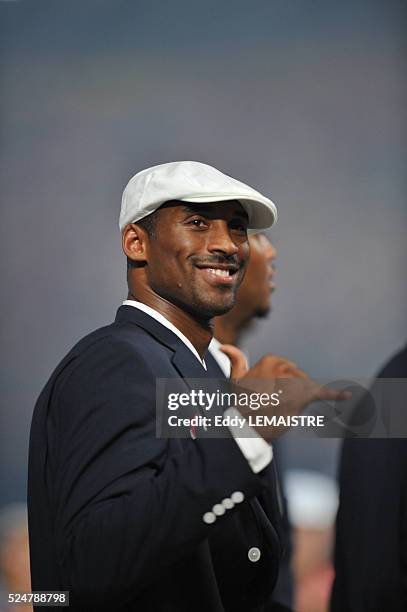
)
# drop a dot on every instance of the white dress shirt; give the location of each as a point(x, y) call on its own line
point(221, 359)
point(255, 449)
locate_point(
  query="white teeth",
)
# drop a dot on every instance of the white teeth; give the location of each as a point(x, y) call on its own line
point(219, 272)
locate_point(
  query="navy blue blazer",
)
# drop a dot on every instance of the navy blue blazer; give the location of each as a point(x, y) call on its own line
point(115, 513)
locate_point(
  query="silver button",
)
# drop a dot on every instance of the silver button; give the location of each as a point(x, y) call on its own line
point(254, 554)
point(209, 518)
point(237, 497)
point(218, 509)
point(227, 503)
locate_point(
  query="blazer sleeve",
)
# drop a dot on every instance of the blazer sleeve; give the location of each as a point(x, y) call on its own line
point(126, 508)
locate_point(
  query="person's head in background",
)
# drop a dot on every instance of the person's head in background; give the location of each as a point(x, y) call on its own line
point(254, 294)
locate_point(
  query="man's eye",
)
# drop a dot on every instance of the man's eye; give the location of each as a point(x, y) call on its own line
point(198, 222)
point(239, 226)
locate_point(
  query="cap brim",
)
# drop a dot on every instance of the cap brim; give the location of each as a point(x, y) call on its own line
point(262, 214)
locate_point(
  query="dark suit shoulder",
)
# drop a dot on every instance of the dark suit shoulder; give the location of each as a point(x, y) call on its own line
point(121, 336)
point(113, 344)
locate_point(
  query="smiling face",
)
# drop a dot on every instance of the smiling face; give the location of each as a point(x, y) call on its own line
point(197, 255)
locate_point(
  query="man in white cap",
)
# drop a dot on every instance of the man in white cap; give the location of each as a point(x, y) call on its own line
point(124, 520)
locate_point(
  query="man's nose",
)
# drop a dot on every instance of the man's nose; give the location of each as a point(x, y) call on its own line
point(221, 240)
point(271, 253)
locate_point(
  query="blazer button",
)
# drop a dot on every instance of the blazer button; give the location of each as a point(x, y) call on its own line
point(209, 518)
point(254, 554)
point(227, 503)
point(218, 509)
point(237, 497)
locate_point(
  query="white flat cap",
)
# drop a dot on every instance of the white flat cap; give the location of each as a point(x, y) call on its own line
point(191, 181)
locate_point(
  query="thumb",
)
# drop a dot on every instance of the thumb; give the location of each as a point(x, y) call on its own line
point(238, 361)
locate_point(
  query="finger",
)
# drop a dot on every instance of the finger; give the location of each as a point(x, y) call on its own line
point(238, 361)
point(284, 371)
point(287, 362)
point(298, 373)
point(327, 393)
point(277, 360)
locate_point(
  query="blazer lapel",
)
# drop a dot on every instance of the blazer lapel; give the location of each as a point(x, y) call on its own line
point(183, 359)
point(185, 363)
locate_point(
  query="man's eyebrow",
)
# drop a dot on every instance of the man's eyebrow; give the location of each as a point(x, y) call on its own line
point(202, 209)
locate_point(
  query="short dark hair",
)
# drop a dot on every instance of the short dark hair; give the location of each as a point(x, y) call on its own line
point(148, 224)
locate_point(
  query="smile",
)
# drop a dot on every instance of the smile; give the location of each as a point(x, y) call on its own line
point(219, 272)
point(220, 276)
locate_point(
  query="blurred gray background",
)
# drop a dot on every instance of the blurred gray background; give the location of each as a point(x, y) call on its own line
point(303, 99)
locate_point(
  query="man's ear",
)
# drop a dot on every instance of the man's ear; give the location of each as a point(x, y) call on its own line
point(135, 242)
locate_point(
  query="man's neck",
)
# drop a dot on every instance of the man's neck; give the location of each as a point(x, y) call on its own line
point(198, 331)
point(225, 331)
point(230, 327)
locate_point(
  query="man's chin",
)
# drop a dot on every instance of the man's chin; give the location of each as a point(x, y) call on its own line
point(210, 308)
point(262, 312)
point(213, 310)
point(221, 310)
